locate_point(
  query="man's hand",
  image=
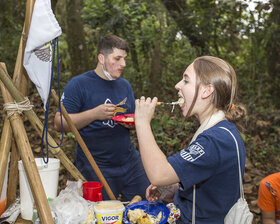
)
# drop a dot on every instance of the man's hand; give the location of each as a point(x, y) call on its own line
point(104, 111)
point(83, 119)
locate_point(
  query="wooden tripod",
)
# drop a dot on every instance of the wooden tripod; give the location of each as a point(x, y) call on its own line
point(14, 126)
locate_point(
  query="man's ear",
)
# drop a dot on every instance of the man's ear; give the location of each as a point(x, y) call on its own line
point(101, 58)
point(207, 91)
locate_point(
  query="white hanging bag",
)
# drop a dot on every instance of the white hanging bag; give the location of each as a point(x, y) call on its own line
point(239, 212)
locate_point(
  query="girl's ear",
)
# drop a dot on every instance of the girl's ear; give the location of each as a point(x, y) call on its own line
point(207, 91)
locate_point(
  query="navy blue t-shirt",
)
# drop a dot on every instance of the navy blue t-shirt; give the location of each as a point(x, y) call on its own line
point(108, 142)
point(211, 163)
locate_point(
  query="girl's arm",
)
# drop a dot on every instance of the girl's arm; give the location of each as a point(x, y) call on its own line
point(158, 169)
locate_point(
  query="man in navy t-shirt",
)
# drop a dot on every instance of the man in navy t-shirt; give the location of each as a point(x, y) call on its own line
point(91, 99)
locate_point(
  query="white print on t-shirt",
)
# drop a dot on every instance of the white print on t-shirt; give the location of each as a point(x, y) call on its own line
point(111, 123)
point(62, 97)
point(192, 153)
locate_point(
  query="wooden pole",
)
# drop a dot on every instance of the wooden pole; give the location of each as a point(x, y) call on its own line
point(84, 147)
point(26, 152)
point(20, 76)
point(13, 173)
point(21, 80)
point(5, 145)
point(38, 126)
point(29, 163)
point(31, 170)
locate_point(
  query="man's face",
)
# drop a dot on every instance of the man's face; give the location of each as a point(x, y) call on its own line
point(115, 62)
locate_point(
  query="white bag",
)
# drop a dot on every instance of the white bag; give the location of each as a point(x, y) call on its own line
point(239, 213)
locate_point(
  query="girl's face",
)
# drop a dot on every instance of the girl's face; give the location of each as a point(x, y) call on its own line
point(186, 88)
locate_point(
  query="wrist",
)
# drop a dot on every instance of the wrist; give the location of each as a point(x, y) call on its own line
point(93, 114)
point(142, 125)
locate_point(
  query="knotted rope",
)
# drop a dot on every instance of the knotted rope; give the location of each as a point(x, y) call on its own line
point(16, 107)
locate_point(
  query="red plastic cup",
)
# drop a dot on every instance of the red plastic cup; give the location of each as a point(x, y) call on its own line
point(92, 191)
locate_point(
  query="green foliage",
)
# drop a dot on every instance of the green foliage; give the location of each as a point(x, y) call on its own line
point(11, 23)
point(171, 131)
point(141, 24)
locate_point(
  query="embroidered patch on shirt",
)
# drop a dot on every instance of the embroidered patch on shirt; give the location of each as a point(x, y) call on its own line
point(192, 153)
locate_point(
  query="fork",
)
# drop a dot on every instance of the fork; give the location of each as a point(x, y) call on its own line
point(161, 103)
point(122, 102)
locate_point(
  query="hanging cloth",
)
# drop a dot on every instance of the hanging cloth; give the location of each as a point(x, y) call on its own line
point(38, 52)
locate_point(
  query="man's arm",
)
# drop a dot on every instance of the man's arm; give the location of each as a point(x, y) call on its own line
point(83, 119)
point(268, 217)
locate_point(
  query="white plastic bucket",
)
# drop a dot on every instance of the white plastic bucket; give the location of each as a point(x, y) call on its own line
point(49, 174)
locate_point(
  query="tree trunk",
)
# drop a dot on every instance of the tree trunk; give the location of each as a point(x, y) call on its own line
point(273, 51)
point(75, 37)
point(186, 23)
point(134, 58)
point(155, 77)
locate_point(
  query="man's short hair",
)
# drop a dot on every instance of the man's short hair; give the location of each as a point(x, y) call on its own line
point(109, 42)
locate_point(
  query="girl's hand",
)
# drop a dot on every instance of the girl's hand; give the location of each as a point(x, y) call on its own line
point(167, 192)
point(152, 193)
point(144, 110)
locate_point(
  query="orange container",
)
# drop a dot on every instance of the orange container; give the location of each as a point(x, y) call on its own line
point(2, 206)
point(3, 194)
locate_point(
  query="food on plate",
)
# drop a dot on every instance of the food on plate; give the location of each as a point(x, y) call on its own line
point(144, 219)
point(140, 217)
point(135, 214)
point(124, 119)
point(128, 119)
point(119, 110)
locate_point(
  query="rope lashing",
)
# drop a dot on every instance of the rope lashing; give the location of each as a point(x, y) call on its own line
point(16, 107)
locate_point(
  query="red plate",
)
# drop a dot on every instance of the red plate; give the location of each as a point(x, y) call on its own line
point(124, 118)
